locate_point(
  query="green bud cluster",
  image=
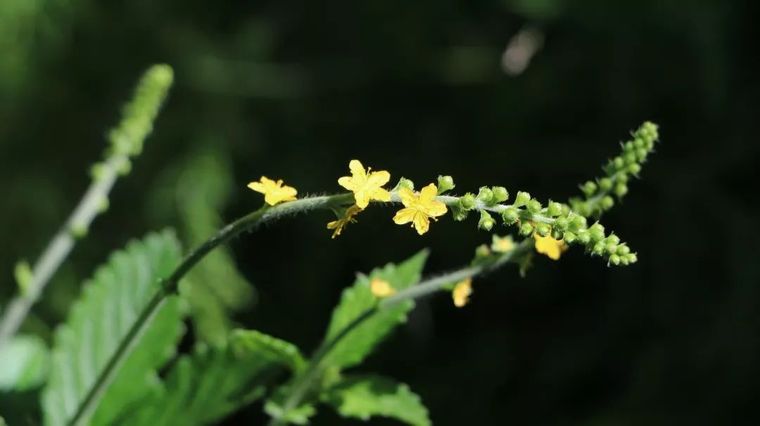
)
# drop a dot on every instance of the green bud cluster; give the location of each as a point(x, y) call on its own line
point(554, 219)
point(126, 139)
point(600, 194)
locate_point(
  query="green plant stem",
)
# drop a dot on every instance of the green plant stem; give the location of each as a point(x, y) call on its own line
point(170, 286)
point(246, 223)
point(303, 382)
point(60, 247)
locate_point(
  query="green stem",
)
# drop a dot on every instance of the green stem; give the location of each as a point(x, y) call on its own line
point(170, 285)
point(304, 381)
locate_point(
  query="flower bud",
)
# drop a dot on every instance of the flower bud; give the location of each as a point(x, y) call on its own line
point(607, 202)
point(569, 237)
point(509, 215)
point(445, 184)
point(485, 195)
point(629, 158)
point(598, 249)
point(618, 162)
point(482, 251)
point(486, 222)
point(583, 237)
point(500, 194)
point(554, 209)
point(631, 257)
point(578, 222)
point(405, 183)
point(526, 229)
point(605, 184)
point(521, 199)
point(634, 169)
point(561, 223)
point(534, 206)
point(612, 239)
point(467, 201)
point(589, 188)
point(615, 259)
point(623, 250)
point(458, 212)
point(557, 234)
point(543, 229)
point(641, 154)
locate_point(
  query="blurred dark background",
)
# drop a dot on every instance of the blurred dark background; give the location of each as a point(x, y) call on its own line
point(295, 90)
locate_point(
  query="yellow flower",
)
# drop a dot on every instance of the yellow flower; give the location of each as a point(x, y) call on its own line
point(549, 246)
point(381, 288)
point(461, 293)
point(348, 217)
point(502, 245)
point(274, 192)
point(419, 208)
point(365, 184)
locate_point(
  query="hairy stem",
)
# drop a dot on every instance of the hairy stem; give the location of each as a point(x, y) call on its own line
point(304, 381)
point(170, 285)
point(60, 247)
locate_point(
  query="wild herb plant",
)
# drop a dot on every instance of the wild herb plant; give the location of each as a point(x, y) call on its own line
point(104, 363)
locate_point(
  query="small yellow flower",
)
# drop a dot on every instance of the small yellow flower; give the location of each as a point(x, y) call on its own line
point(419, 209)
point(348, 217)
point(381, 288)
point(461, 293)
point(549, 246)
point(274, 192)
point(502, 245)
point(366, 184)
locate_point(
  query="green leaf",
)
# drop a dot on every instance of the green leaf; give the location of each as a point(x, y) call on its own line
point(357, 299)
point(370, 395)
point(215, 381)
point(25, 361)
point(110, 303)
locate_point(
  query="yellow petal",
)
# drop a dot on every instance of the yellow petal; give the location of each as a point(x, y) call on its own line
point(347, 183)
point(461, 293)
point(378, 178)
point(404, 216)
point(407, 196)
point(256, 186)
point(357, 169)
point(421, 223)
point(549, 246)
point(381, 194)
point(436, 208)
point(428, 193)
point(381, 288)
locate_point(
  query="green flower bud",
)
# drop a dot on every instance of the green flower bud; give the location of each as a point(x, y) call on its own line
point(631, 257)
point(103, 204)
point(612, 239)
point(543, 229)
point(605, 184)
point(509, 215)
point(405, 183)
point(623, 250)
point(500, 194)
point(124, 167)
point(629, 158)
point(615, 259)
point(485, 195)
point(629, 147)
point(598, 249)
point(561, 223)
point(458, 212)
point(641, 154)
point(596, 233)
point(583, 237)
point(578, 222)
point(610, 248)
point(607, 202)
point(526, 229)
point(639, 143)
point(621, 189)
point(534, 206)
point(482, 251)
point(78, 230)
point(486, 222)
point(521, 199)
point(589, 188)
point(557, 234)
point(445, 184)
point(98, 171)
point(554, 209)
point(634, 169)
point(569, 237)
point(467, 201)
point(618, 162)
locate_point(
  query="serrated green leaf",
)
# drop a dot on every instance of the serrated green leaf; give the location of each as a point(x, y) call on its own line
point(371, 395)
point(357, 299)
point(110, 303)
point(24, 363)
point(214, 381)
